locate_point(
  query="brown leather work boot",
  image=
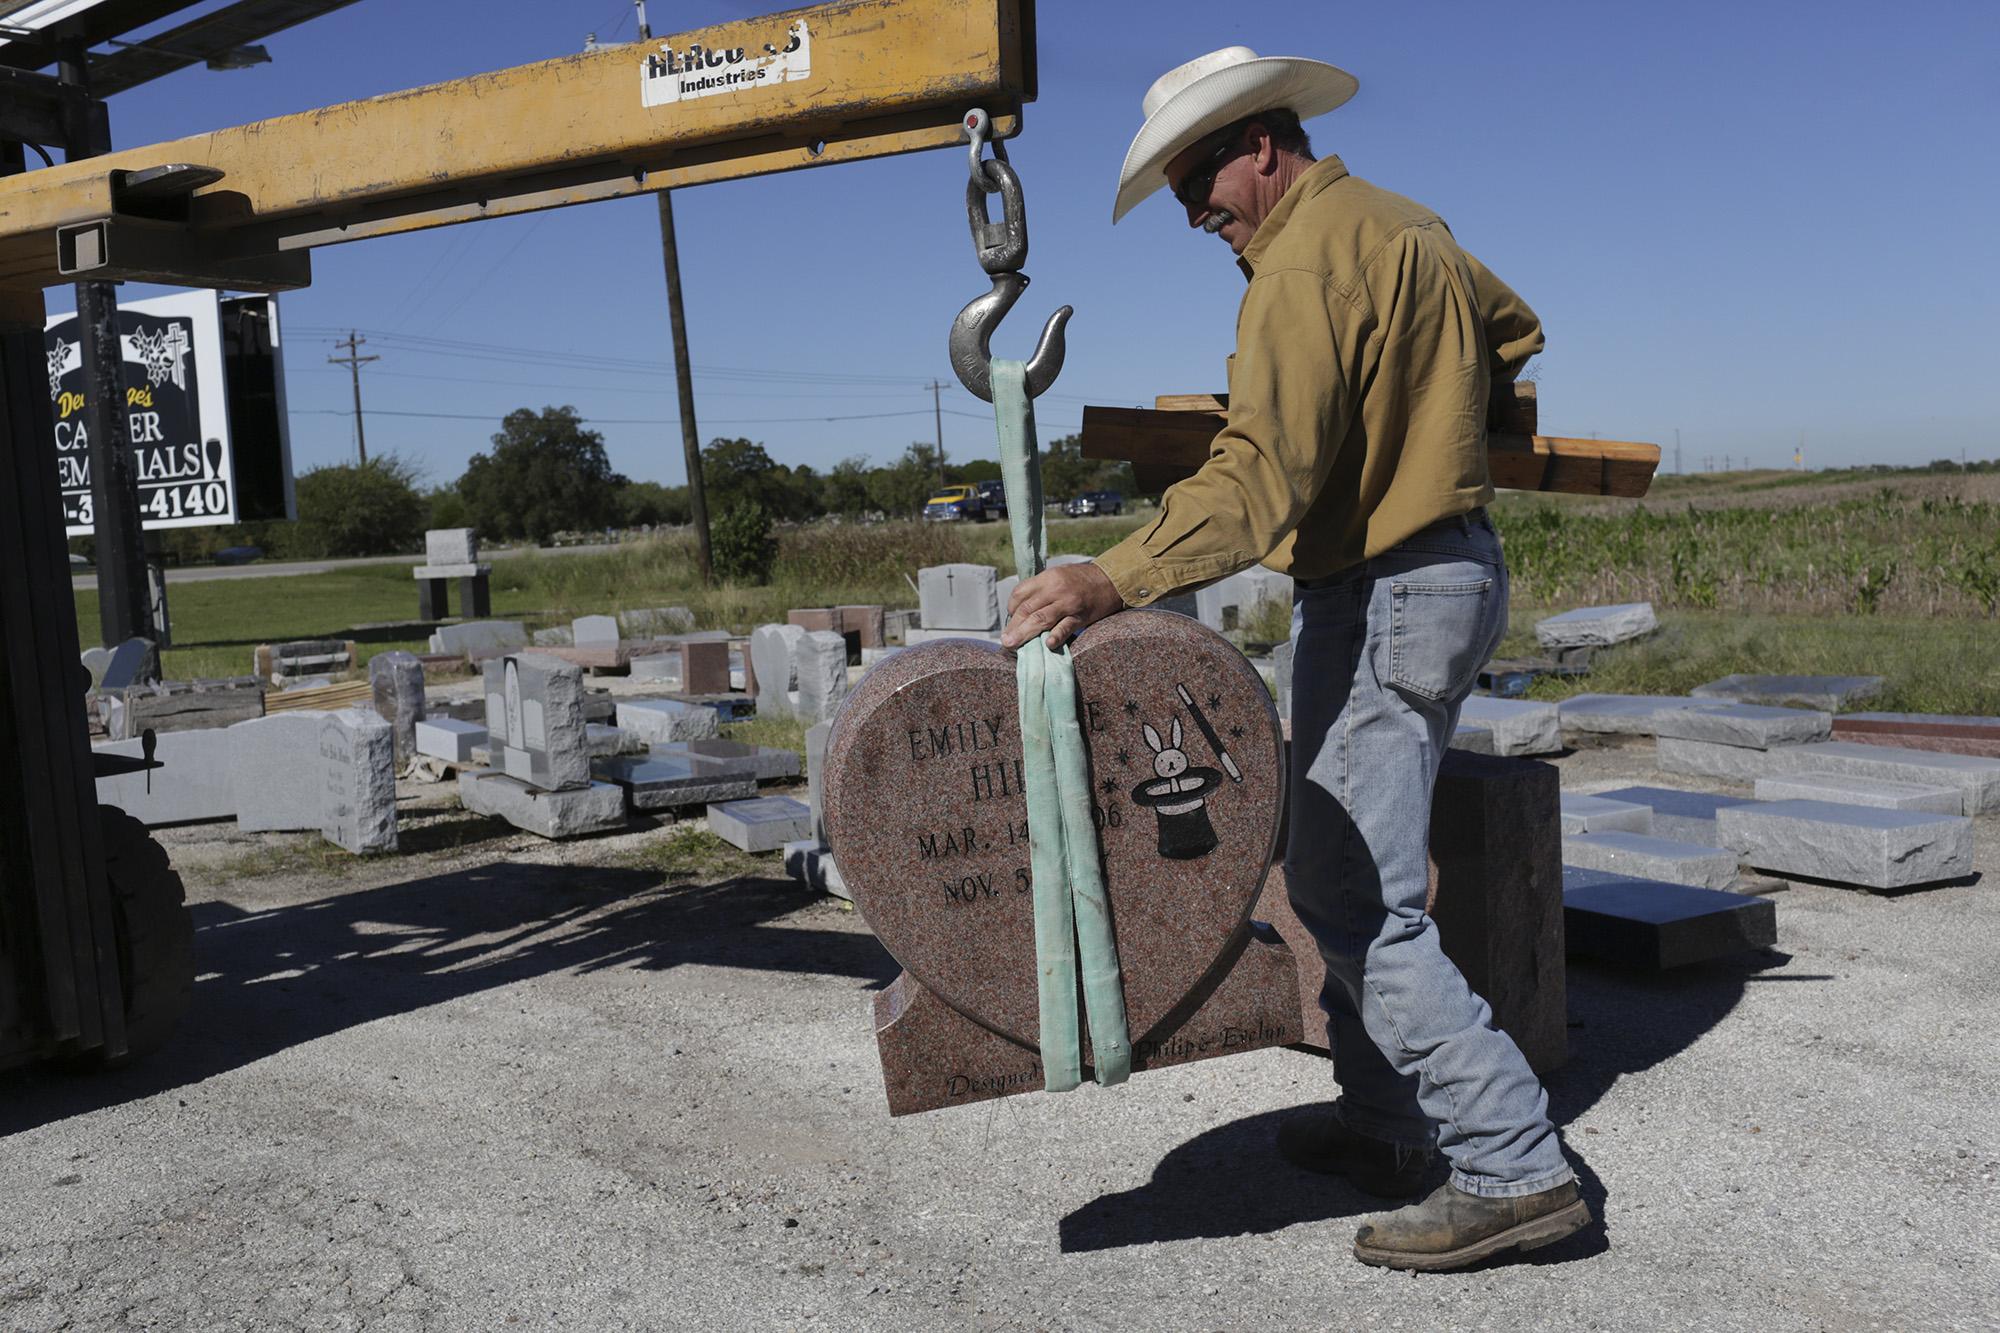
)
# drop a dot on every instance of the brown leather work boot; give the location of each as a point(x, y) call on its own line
point(1319, 1140)
point(1452, 1229)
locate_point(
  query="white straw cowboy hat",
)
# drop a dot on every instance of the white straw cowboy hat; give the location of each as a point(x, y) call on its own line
point(1200, 97)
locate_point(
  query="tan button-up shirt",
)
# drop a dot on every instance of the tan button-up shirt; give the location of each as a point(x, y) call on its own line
point(1365, 349)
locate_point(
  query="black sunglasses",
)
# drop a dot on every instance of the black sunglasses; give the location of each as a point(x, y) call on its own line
point(1204, 175)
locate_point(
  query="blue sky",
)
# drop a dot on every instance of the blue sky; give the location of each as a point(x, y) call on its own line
point(1738, 222)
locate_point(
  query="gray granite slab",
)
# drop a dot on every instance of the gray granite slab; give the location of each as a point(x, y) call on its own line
point(665, 667)
point(1978, 780)
point(195, 784)
point(1621, 714)
point(601, 738)
point(821, 660)
point(457, 570)
point(1646, 857)
point(551, 814)
point(449, 739)
point(1831, 693)
point(653, 622)
point(959, 596)
point(480, 638)
point(554, 636)
point(1848, 844)
point(761, 824)
point(1601, 814)
point(816, 739)
point(665, 782)
point(1876, 792)
point(130, 663)
point(545, 744)
point(1519, 726)
point(1685, 816)
point(811, 864)
point(592, 631)
point(1758, 726)
point(763, 762)
point(1596, 626)
point(1473, 739)
point(1652, 925)
point(1733, 763)
point(357, 750)
point(274, 772)
point(655, 721)
point(396, 680)
point(451, 546)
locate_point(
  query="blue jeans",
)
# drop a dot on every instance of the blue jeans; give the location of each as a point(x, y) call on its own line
point(1383, 657)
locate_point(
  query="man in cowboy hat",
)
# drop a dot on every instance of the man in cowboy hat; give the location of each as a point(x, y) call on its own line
point(1354, 459)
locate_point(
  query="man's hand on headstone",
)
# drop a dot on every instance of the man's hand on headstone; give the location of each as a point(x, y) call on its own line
point(1058, 603)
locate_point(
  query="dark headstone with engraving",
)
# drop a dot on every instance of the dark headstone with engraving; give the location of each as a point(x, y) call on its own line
point(926, 814)
point(1495, 893)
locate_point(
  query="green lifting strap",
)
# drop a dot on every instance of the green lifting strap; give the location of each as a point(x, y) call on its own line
point(1072, 915)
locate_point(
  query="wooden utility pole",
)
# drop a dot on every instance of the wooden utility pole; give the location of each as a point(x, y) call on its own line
point(937, 409)
point(684, 384)
point(353, 362)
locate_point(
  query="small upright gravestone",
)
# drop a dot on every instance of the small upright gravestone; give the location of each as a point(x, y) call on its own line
point(397, 679)
point(357, 752)
point(705, 666)
point(927, 816)
point(959, 596)
point(821, 660)
point(592, 631)
point(543, 700)
point(771, 650)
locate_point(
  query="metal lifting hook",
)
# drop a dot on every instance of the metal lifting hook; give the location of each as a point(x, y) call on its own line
point(1002, 248)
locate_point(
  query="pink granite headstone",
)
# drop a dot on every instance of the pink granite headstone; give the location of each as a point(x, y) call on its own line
point(927, 819)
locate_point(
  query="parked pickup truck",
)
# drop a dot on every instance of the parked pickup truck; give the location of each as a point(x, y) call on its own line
point(948, 503)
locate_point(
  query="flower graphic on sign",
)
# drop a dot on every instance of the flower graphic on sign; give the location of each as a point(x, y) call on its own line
point(58, 357)
point(164, 354)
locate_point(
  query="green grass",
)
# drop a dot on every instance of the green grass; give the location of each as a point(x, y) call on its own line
point(688, 852)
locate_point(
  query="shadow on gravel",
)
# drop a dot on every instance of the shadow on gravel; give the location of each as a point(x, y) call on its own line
point(1229, 1181)
point(268, 981)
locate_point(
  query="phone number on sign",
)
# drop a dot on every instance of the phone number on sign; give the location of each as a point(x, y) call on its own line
point(164, 504)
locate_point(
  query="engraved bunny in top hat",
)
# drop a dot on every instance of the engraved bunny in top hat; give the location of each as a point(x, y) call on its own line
point(1178, 796)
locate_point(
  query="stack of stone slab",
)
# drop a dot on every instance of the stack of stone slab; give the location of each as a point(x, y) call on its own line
point(1596, 626)
point(535, 722)
point(479, 639)
point(1725, 740)
point(1517, 726)
point(1976, 779)
point(958, 601)
point(281, 663)
point(452, 555)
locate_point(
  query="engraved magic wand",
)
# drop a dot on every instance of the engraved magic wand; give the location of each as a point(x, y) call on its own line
point(1214, 741)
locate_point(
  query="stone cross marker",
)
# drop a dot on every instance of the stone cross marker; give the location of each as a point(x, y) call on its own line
point(926, 816)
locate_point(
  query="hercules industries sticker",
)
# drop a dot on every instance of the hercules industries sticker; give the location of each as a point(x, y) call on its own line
point(676, 75)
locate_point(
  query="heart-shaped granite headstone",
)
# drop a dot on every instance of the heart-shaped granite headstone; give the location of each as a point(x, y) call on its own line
point(928, 822)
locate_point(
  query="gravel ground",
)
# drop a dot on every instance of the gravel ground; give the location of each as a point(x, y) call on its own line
point(500, 1083)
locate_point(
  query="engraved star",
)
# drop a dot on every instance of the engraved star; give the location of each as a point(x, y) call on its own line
point(1215, 701)
point(1131, 709)
point(1125, 758)
point(1236, 733)
point(1108, 785)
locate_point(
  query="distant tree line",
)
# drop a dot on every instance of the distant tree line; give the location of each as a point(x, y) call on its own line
point(546, 474)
